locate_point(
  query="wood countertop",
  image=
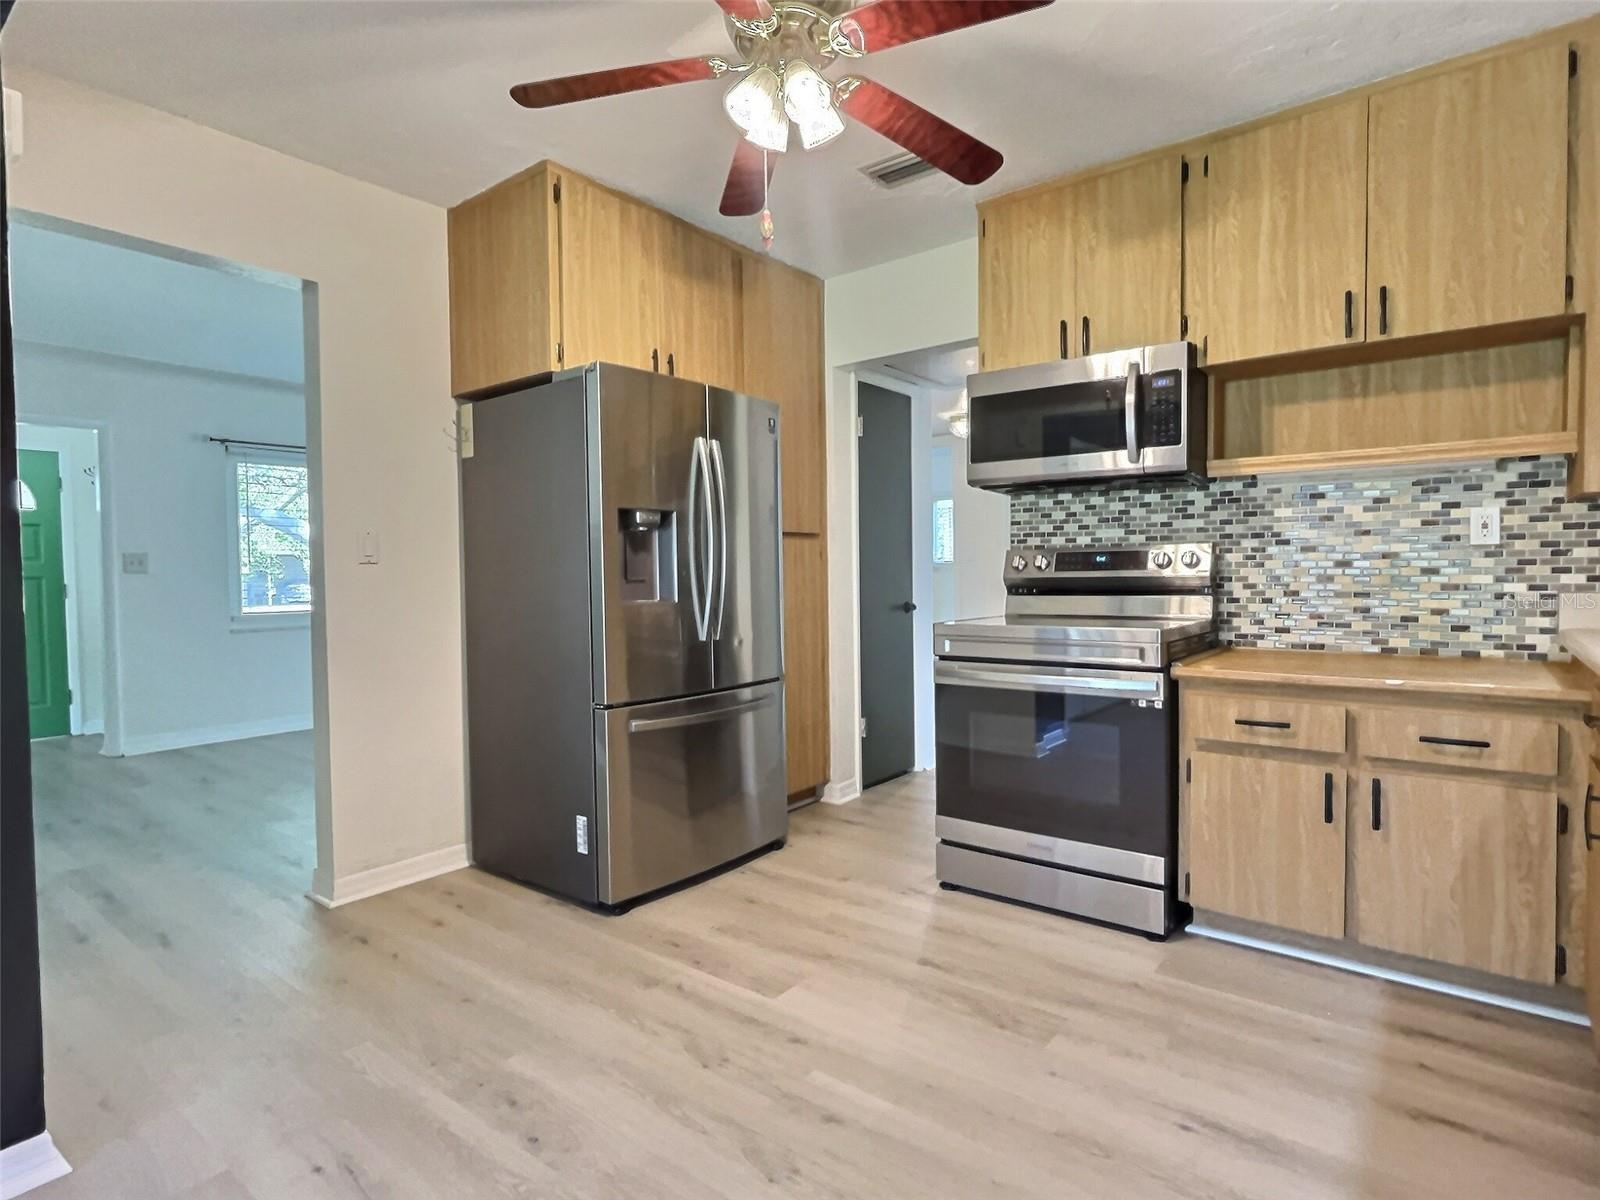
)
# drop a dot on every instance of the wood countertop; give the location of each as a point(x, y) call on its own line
point(1414, 674)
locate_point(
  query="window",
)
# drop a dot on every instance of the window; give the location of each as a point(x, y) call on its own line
point(944, 530)
point(272, 543)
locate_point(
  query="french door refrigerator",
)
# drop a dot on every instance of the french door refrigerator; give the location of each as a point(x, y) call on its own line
point(624, 631)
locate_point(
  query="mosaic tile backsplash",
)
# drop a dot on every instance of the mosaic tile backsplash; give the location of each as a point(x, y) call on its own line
point(1378, 561)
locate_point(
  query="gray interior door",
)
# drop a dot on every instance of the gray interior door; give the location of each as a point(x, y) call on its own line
point(746, 604)
point(888, 697)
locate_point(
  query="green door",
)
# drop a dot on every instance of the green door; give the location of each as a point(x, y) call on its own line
point(44, 593)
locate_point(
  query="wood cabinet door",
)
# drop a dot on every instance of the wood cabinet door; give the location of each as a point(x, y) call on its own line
point(1128, 249)
point(1266, 840)
point(1025, 280)
point(805, 659)
point(783, 351)
point(1591, 912)
point(700, 295)
point(611, 295)
point(1456, 870)
point(1467, 196)
point(1275, 236)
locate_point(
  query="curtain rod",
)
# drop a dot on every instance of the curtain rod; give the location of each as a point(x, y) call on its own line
point(257, 445)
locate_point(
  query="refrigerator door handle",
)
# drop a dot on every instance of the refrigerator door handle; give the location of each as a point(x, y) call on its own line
point(699, 481)
point(722, 538)
point(707, 717)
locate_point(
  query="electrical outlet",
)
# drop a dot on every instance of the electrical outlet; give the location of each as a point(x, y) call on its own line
point(136, 563)
point(1485, 525)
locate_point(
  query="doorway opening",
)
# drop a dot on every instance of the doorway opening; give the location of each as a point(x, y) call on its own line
point(161, 401)
point(932, 548)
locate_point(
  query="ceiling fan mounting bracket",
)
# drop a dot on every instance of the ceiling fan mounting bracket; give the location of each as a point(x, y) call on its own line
point(796, 30)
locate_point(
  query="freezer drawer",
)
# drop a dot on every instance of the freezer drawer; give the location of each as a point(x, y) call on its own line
point(687, 785)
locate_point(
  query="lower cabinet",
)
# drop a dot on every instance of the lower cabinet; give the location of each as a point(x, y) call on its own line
point(1456, 870)
point(1266, 841)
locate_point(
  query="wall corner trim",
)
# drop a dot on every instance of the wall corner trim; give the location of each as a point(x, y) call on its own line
point(841, 792)
point(27, 1164)
point(347, 889)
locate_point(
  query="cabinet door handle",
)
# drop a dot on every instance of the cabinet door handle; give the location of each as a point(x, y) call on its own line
point(1327, 798)
point(672, 368)
point(1349, 315)
point(1085, 350)
point(1377, 805)
point(1383, 309)
point(655, 360)
point(1251, 723)
point(1428, 739)
point(1066, 350)
point(1590, 837)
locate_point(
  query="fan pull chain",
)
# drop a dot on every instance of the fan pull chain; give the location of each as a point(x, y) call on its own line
point(766, 211)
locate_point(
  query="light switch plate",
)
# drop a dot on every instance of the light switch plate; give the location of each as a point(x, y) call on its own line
point(1485, 525)
point(369, 547)
point(136, 563)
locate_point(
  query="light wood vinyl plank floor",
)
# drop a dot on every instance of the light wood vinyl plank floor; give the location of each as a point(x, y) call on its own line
point(823, 1022)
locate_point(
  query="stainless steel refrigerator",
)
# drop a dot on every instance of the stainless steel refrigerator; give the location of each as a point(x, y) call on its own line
point(624, 631)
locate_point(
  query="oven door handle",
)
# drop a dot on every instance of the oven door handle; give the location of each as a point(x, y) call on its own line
point(1133, 686)
point(1130, 400)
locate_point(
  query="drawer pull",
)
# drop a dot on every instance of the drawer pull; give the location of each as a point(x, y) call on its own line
point(1377, 805)
point(1327, 798)
point(1252, 724)
point(1469, 743)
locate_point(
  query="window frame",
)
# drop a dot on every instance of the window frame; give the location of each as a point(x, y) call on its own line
point(239, 620)
point(950, 503)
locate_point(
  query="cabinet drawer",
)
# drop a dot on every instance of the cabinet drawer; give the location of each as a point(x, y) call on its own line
point(1515, 743)
point(1266, 721)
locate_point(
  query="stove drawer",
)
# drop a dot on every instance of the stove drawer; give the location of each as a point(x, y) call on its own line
point(1265, 721)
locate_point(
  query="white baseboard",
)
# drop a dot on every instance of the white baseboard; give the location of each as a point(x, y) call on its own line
point(98, 725)
point(153, 743)
point(841, 792)
point(348, 889)
point(26, 1165)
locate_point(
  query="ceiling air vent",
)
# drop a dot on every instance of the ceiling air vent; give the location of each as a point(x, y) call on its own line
point(901, 169)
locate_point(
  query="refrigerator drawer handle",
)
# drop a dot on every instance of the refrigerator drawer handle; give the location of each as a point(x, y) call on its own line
point(694, 549)
point(684, 720)
point(721, 479)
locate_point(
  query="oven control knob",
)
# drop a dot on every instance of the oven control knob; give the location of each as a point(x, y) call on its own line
point(1190, 559)
point(1161, 560)
point(1041, 562)
point(1018, 563)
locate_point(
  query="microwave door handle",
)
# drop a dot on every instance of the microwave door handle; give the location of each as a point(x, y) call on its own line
point(1131, 412)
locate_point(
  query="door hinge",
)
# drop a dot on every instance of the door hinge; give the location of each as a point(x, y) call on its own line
point(1561, 820)
point(69, 695)
point(1188, 888)
point(1184, 176)
point(66, 590)
point(555, 191)
point(1572, 287)
point(1572, 62)
point(983, 227)
point(1183, 326)
point(1188, 770)
point(1205, 166)
point(861, 425)
point(863, 727)
point(1561, 961)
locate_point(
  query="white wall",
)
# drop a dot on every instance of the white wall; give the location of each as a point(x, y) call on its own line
point(185, 674)
point(983, 534)
point(391, 789)
point(80, 535)
point(927, 299)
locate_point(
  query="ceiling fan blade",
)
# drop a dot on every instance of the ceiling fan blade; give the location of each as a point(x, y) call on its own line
point(908, 124)
point(746, 10)
point(549, 92)
point(889, 23)
point(744, 194)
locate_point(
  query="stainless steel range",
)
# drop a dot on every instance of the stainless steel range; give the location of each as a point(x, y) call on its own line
point(1057, 731)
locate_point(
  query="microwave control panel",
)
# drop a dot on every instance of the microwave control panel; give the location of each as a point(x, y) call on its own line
point(1164, 409)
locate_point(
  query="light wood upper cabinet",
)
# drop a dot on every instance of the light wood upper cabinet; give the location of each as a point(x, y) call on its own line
point(1467, 196)
point(612, 300)
point(699, 325)
point(1275, 236)
point(1457, 870)
point(1026, 308)
point(1266, 840)
point(1128, 256)
point(782, 321)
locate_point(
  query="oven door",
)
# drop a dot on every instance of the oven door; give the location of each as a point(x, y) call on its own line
point(1063, 765)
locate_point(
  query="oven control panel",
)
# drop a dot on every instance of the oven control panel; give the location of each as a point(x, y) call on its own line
point(1189, 561)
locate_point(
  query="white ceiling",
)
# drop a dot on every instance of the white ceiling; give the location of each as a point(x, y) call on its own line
point(412, 94)
point(946, 366)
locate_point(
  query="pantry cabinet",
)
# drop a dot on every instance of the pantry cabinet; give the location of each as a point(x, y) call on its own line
point(805, 660)
point(1467, 196)
point(1275, 236)
point(1026, 307)
point(1266, 840)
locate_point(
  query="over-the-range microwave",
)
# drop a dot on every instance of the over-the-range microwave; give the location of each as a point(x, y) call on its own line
point(1125, 412)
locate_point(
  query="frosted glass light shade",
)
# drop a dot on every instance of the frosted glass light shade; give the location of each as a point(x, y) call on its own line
point(755, 106)
point(808, 99)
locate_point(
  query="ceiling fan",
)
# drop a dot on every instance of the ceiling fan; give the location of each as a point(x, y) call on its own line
point(786, 47)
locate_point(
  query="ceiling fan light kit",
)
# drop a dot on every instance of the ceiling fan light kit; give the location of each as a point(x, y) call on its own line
point(786, 46)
